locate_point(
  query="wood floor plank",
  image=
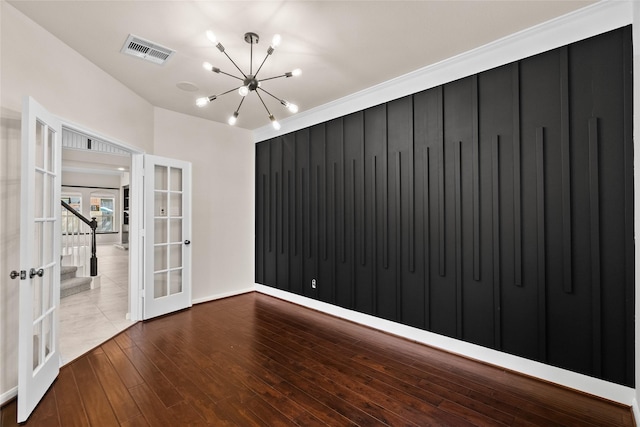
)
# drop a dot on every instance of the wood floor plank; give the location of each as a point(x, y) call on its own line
point(153, 377)
point(151, 406)
point(126, 371)
point(46, 413)
point(96, 404)
point(68, 399)
point(254, 360)
point(123, 405)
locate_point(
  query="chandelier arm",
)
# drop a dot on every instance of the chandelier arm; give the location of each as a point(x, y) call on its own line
point(234, 63)
point(231, 75)
point(270, 94)
point(265, 105)
point(230, 90)
point(240, 105)
point(263, 61)
point(272, 78)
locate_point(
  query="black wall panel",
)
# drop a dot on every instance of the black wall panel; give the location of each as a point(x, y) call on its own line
point(496, 209)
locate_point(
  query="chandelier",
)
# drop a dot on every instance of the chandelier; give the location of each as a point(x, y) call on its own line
point(250, 81)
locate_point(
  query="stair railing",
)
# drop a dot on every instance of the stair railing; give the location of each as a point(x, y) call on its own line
point(76, 241)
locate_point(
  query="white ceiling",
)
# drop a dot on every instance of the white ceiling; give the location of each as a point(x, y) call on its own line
point(341, 46)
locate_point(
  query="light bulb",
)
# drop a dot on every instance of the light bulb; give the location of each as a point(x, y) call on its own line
point(233, 119)
point(275, 42)
point(243, 90)
point(296, 72)
point(212, 37)
point(201, 102)
point(207, 66)
point(292, 107)
point(274, 122)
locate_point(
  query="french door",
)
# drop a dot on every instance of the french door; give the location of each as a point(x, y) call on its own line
point(38, 354)
point(167, 234)
point(165, 254)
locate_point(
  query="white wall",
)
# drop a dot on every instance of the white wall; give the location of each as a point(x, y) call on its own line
point(33, 62)
point(223, 162)
point(36, 63)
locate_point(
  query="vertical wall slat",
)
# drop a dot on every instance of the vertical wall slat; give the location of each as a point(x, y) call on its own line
point(336, 214)
point(398, 249)
point(290, 212)
point(270, 189)
point(277, 231)
point(293, 216)
point(325, 186)
point(354, 216)
point(374, 239)
point(317, 194)
point(290, 233)
point(441, 222)
point(457, 166)
point(542, 297)
point(627, 84)
point(594, 205)
point(566, 170)
point(495, 190)
point(306, 179)
point(343, 204)
point(385, 194)
point(265, 215)
point(476, 177)
point(335, 239)
point(278, 213)
point(363, 230)
point(517, 203)
point(412, 209)
point(427, 240)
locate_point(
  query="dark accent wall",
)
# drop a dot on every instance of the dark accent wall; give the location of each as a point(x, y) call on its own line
point(496, 209)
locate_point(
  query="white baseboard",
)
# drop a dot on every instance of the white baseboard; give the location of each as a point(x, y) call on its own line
point(8, 395)
point(563, 377)
point(222, 295)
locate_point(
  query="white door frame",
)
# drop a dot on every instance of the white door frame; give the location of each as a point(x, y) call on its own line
point(136, 202)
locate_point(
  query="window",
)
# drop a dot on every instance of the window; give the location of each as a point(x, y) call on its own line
point(75, 201)
point(103, 209)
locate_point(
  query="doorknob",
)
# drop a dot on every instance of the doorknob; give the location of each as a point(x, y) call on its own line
point(14, 274)
point(33, 272)
point(187, 242)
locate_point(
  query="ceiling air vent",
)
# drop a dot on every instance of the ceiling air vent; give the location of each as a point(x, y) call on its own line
point(146, 50)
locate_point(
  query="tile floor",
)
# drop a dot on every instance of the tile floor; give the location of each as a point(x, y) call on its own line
point(89, 318)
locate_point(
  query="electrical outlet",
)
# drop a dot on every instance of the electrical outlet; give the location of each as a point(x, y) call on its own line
point(313, 283)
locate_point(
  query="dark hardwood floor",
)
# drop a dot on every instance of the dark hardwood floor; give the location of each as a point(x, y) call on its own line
point(253, 360)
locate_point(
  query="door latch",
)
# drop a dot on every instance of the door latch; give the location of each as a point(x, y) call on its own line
point(22, 274)
point(33, 272)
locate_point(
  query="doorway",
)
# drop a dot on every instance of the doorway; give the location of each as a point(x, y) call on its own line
point(96, 179)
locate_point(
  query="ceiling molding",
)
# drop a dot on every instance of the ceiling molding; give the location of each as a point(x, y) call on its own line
point(592, 20)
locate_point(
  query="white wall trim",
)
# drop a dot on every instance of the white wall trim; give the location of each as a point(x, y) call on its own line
point(223, 295)
point(592, 20)
point(89, 132)
point(563, 377)
point(8, 395)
